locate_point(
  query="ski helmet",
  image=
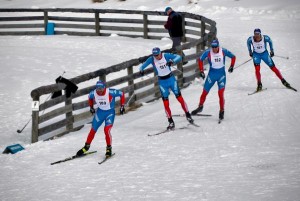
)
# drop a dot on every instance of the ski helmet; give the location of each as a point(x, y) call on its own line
point(215, 43)
point(100, 85)
point(155, 51)
point(257, 31)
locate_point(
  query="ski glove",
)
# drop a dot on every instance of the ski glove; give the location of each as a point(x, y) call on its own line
point(251, 54)
point(142, 73)
point(170, 63)
point(202, 75)
point(92, 110)
point(122, 110)
point(230, 70)
point(271, 54)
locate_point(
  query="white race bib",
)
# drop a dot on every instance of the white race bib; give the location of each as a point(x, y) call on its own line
point(102, 101)
point(217, 59)
point(259, 47)
point(161, 66)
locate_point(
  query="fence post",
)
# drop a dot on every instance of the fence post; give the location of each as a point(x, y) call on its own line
point(202, 45)
point(97, 25)
point(35, 124)
point(69, 115)
point(45, 21)
point(145, 22)
point(183, 28)
point(180, 67)
point(102, 77)
point(130, 82)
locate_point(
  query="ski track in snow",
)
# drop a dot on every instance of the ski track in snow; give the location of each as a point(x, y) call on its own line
point(253, 155)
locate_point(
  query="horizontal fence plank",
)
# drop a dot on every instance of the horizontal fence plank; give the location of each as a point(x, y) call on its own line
point(74, 33)
point(71, 19)
point(15, 26)
point(21, 33)
point(156, 22)
point(24, 18)
point(193, 32)
point(118, 28)
point(55, 113)
point(157, 30)
point(193, 24)
point(74, 26)
point(53, 127)
point(121, 20)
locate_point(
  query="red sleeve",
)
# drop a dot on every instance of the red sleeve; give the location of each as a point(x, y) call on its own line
point(200, 64)
point(123, 99)
point(168, 24)
point(232, 61)
point(91, 102)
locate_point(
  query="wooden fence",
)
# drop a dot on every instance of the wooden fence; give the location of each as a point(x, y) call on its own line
point(68, 114)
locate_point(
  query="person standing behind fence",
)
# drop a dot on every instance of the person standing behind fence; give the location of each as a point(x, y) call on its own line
point(105, 102)
point(174, 26)
point(162, 63)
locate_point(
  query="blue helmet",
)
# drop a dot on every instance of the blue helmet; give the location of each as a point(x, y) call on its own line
point(215, 43)
point(257, 30)
point(155, 51)
point(100, 85)
point(167, 9)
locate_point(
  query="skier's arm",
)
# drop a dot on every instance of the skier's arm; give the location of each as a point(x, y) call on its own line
point(174, 57)
point(91, 99)
point(269, 40)
point(230, 55)
point(146, 64)
point(118, 93)
point(249, 43)
point(201, 59)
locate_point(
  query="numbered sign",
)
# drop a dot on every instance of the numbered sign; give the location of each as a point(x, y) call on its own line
point(35, 106)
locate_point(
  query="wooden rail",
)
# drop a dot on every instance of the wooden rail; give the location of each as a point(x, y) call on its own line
point(63, 114)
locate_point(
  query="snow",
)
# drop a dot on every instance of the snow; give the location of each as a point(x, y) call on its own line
point(253, 155)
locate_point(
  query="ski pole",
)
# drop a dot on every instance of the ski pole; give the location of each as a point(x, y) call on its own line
point(283, 57)
point(20, 131)
point(243, 63)
point(129, 99)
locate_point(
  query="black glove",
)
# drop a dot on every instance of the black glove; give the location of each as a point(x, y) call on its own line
point(251, 54)
point(92, 110)
point(230, 70)
point(271, 54)
point(122, 110)
point(142, 73)
point(170, 63)
point(202, 75)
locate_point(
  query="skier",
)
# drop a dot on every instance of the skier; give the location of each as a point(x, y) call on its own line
point(162, 63)
point(216, 59)
point(105, 102)
point(260, 52)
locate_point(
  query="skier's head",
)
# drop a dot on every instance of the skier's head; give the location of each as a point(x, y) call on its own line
point(168, 10)
point(156, 52)
point(257, 34)
point(100, 86)
point(215, 45)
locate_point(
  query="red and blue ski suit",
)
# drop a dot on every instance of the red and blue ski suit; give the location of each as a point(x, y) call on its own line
point(105, 112)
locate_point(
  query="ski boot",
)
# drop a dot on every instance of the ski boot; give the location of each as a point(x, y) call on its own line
point(197, 110)
point(171, 124)
point(259, 86)
point(189, 117)
point(108, 151)
point(221, 115)
point(84, 149)
point(285, 83)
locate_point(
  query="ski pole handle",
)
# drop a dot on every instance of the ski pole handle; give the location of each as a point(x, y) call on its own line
point(283, 57)
point(243, 63)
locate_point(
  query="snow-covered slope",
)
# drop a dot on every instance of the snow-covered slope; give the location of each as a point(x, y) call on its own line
point(253, 155)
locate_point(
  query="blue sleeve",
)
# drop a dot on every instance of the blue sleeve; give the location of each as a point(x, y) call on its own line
point(174, 57)
point(204, 55)
point(228, 53)
point(115, 92)
point(91, 95)
point(268, 40)
point(249, 43)
point(146, 63)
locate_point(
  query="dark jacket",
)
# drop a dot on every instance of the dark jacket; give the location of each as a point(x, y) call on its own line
point(174, 24)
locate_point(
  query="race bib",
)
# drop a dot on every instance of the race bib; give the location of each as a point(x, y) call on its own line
point(102, 101)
